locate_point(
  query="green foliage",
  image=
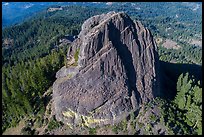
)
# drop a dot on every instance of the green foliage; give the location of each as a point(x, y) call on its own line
point(27, 131)
point(148, 129)
point(76, 57)
point(141, 125)
point(92, 131)
point(197, 98)
point(53, 124)
point(23, 97)
point(122, 126)
point(179, 82)
point(115, 129)
point(184, 88)
point(153, 118)
point(184, 114)
point(40, 35)
point(186, 54)
point(39, 121)
point(133, 121)
point(30, 64)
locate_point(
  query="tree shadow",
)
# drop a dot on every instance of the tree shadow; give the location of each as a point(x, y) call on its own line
point(170, 73)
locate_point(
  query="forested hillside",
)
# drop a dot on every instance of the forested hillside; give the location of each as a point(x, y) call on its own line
point(31, 56)
point(32, 59)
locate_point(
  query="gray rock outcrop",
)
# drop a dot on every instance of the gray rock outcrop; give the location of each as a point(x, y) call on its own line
point(112, 68)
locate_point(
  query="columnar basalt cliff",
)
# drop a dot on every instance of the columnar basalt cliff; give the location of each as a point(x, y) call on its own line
point(111, 70)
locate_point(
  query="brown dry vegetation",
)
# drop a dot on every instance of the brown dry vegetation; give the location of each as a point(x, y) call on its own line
point(170, 44)
point(15, 130)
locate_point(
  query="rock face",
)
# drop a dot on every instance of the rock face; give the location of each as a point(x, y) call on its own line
point(112, 69)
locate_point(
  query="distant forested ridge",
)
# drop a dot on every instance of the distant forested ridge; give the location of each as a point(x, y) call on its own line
point(31, 56)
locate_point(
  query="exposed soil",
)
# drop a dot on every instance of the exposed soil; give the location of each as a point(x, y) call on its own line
point(15, 130)
point(196, 42)
point(170, 44)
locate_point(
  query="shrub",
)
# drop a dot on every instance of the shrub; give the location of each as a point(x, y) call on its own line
point(27, 131)
point(53, 124)
point(153, 118)
point(92, 131)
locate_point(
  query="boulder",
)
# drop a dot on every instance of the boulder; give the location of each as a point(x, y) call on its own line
point(116, 71)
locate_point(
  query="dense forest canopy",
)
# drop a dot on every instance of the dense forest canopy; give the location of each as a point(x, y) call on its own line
point(31, 56)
